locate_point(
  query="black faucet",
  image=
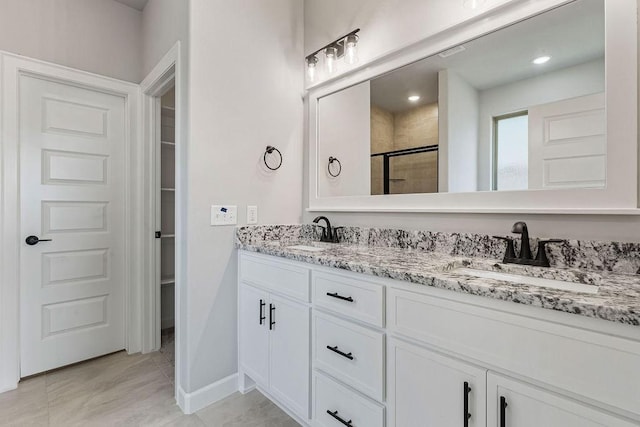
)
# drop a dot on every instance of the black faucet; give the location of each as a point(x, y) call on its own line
point(329, 234)
point(526, 257)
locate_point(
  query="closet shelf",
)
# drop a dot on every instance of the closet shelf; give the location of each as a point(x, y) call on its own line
point(168, 236)
point(167, 189)
point(168, 143)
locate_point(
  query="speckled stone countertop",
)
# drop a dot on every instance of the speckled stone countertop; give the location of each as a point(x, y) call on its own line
point(617, 298)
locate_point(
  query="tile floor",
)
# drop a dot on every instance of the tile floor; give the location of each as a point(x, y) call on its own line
point(123, 390)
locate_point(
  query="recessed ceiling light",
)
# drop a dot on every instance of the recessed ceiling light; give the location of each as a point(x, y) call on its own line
point(414, 98)
point(541, 60)
point(473, 4)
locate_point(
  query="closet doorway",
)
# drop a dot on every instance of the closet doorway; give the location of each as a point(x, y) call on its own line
point(165, 220)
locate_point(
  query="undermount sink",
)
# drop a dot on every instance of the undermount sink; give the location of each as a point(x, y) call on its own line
point(306, 248)
point(528, 280)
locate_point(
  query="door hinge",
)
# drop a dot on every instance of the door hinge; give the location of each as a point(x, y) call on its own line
point(158, 234)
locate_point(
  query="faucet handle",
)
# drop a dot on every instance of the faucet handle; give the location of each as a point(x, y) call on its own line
point(541, 256)
point(336, 236)
point(510, 252)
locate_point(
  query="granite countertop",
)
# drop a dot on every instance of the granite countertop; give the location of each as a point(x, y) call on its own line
point(617, 299)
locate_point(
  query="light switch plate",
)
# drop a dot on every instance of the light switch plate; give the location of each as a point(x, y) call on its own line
point(224, 215)
point(252, 214)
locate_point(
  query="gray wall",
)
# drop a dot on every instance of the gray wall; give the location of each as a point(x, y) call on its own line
point(245, 74)
point(164, 22)
point(100, 36)
point(377, 18)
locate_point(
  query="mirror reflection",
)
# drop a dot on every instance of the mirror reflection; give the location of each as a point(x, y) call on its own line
point(518, 109)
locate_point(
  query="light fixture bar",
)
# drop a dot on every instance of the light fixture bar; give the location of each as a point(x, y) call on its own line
point(337, 43)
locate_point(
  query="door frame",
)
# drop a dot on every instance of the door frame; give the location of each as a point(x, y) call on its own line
point(12, 67)
point(167, 72)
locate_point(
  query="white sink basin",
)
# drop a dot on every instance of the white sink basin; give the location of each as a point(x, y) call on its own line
point(306, 248)
point(527, 280)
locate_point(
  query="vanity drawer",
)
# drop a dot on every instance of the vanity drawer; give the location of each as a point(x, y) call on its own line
point(280, 276)
point(328, 395)
point(350, 297)
point(352, 354)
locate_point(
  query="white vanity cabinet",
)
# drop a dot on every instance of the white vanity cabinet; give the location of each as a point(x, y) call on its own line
point(428, 389)
point(388, 353)
point(274, 326)
point(513, 403)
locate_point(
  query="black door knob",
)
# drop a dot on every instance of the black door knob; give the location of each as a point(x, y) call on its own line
point(34, 240)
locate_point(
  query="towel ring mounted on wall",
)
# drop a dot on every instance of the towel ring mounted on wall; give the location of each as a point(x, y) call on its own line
point(270, 150)
point(331, 161)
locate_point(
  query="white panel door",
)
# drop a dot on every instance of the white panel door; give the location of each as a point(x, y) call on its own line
point(568, 143)
point(254, 333)
point(513, 403)
point(430, 390)
point(72, 191)
point(289, 354)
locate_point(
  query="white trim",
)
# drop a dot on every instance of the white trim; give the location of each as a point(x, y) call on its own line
point(201, 398)
point(167, 72)
point(10, 239)
point(619, 197)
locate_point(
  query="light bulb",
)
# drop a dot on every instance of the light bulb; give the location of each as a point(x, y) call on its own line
point(331, 54)
point(312, 68)
point(351, 49)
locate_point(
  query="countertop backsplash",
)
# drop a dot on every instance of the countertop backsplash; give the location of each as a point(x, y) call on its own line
point(616, 257)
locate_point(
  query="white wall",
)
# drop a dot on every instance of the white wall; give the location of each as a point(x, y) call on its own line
point(345, 126)
point(246, 72)
point(101, 36)
point(459, 117)
point(164, 22)
point(571, 82)
point(377, 18)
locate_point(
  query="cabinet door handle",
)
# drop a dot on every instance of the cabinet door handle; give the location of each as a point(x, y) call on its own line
point(262, 316)
point(335, 415)
point(272, 310)
point(343, 354)
point(336, 295)
point(503, 411)
point(466, 415)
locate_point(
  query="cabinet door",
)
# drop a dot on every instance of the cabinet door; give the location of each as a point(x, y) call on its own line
point(254, 333)
point(512, 403)
point(289, 356)
point(427, 389)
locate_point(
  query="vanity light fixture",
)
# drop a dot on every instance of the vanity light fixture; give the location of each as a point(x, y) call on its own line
point(331, 56)
point(344, 46)
point(312, 63)
point(473, 4)
point(541, 60)
point(351, 49)
point(414, 98)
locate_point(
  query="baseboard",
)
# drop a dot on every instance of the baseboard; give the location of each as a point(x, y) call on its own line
point(201, 398)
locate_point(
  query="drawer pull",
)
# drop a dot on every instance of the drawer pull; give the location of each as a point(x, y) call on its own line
point(336, 295)
point(503, 411)
point(335, 350)
point(262, 316)
point(466, 415)
point(335, 415)
point(272, 309)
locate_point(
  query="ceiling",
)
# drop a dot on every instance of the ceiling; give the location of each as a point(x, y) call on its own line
point(136, 4)
point(571, 35)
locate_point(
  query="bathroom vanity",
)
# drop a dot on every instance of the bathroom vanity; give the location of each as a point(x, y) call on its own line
point(391, 329)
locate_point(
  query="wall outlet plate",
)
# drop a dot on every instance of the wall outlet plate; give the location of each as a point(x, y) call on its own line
point(224, 215)
point(252, 214)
